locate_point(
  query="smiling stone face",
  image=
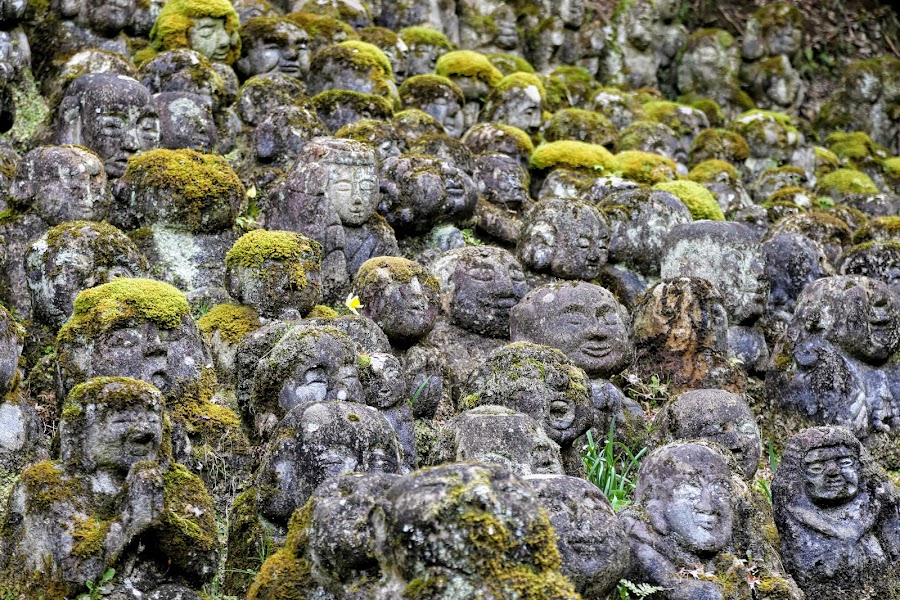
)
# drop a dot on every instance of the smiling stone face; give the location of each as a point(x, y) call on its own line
point(582, 320)
point(538, 381)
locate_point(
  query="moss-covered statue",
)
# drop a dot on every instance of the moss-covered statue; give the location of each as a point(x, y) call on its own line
point(715, 416)
point(707, 67)
point(114, 500)
point(211, 27)
point(185, 204)
point(489, 26)
point(72, 257)
point(877, 259)
point(680, 332)
point(836, 363)
point(322, 556)
point(314, 443)
point(694, 532)
point(772, 136)
point(110, 114)
point(727, 255)
point(475, 76)
point(500, 436)
point(591, 543)
point(772, 44)
point(143, 329)
point(566, 238)
point(467, 529)
point(439, 97)
point(516, 100)
point(541, 382)
point(402, 298)
point(837, 516)
point(277, 273)
point(353, 66)
point(425, 46)
point(273, 45)
point(639, 221)
point(186, 121)
point(479, 286)
point(419, 192)
point(50, 185)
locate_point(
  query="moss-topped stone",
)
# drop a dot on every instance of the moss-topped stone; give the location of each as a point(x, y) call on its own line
point(467, 63)
point(644, 167)
point(182, 189)
point(573, 155)
point(697, 198)
point(841, 183)
point(721, 144)
point(274, 272)
point(177, 19)
point(581, 125)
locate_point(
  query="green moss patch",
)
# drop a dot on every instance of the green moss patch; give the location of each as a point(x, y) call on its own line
point(710, 170)
point(467, 63)
point(170, 32)
point(426, 36)
point(645, 167)
point(232, 321)
point(572, 154)
point(697, 198)
point(841, 182)
point(121, 300)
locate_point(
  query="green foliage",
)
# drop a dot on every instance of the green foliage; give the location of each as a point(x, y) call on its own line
point(96, 591)
point(470, 239)
point(611, 466)
point(650, 394)
point(640, 590)
point(763, 484)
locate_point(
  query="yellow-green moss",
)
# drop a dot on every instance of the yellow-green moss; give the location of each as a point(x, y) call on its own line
point(294, 250)
point(88, 536)
point(846, 181)
point(321, 27)
point(370, 105)
point(582, 125)
point(644, 167)
point(892, 168)
point(44, 486)
point(426, 36)
point(320, 311)
point(720, 143)
point(199, 183)
point(232, 321)
point(572, 154)
point(170, 32)
point(709, 170)
point(188, 522)
point(671, 114)
point(426, 88)
point(826, 161)
point(714, 113)
point(121, 300)
point(855, 147)
point(521, 80)
point(878, 229)
point(401, 271)
point(467, 63)
point(749, 125)
point(362, 54)
point(697, 198)
point(787, 194)
point(202, 419)
point(510, 63)
point(115, 392)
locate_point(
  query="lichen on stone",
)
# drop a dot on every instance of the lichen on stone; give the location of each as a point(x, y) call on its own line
point(697, 198)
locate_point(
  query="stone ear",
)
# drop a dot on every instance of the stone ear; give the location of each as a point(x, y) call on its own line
point(68, 127)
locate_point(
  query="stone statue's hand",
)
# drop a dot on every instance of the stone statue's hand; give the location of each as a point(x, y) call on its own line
point(144, 502)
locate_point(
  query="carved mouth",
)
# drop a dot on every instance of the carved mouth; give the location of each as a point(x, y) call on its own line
point(561, 415)
point(596, 350)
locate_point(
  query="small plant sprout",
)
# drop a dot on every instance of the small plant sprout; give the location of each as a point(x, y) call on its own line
point(103, 587)
point(611, 466)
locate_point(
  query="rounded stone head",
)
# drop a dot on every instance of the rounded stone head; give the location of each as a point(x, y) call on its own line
point(686, 491)
point(108, 424)
point(137, 328)
point(185, 121)
point(501, 436)
point(591, 542)
point(479, 286)
point(566, 237)
point(320, 440)
point(344, 172)
point(538, 381)
point(582, 320)
point(860, 315)
point(424, 47)
point(341, 547)
point(716, 416)
point(275, 272)
point(308, 364)
point(61, 183)
point(727, 255)
point(439, 97)
point(518, 100)
point(72, 257)
point(381, 376)
point(400, 295)
point(109, 18)
point(639, 221)
point(273, 45)
point(825, 465)
point(473, 527)
point(501, 179)
point(112, 115)
point(210, 27)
